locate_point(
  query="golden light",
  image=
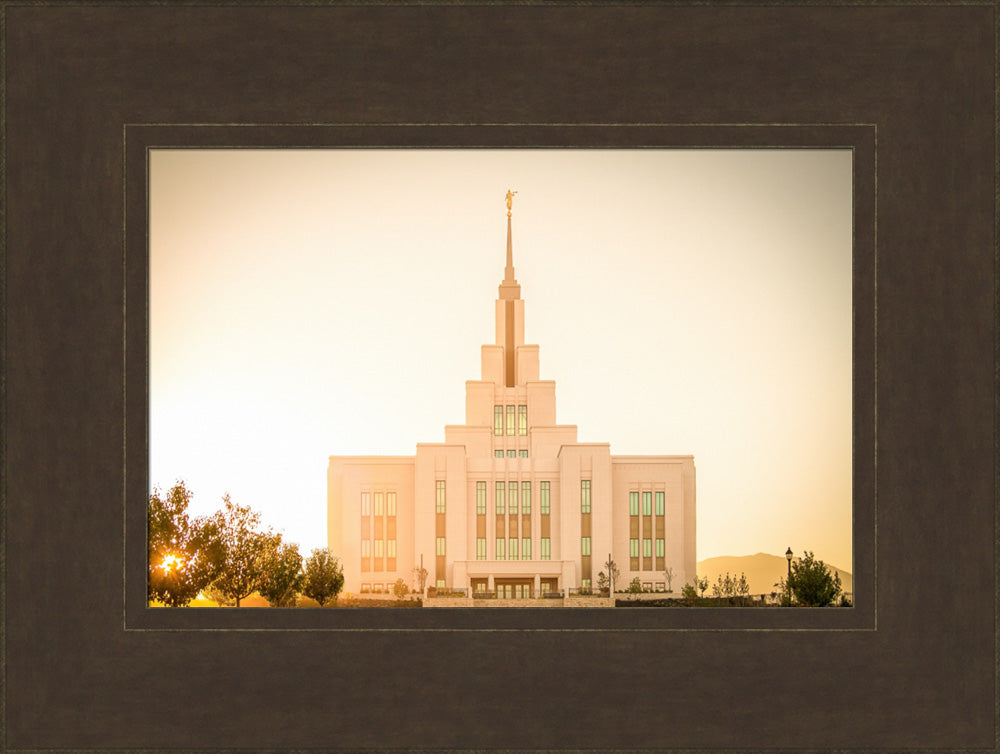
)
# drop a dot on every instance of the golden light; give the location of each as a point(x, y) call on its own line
point(170, 561)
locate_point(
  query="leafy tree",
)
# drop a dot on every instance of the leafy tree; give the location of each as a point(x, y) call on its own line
point(741, 587)
point(246, 548)
point(730, 587)
point(602, 581)
point(812, 583)
point(324, 576)
point(701, 584)
point(720, 588)
point(400, 589)
point(215, 594)
point(635, 587)
point(282, 575)
point(184, 555)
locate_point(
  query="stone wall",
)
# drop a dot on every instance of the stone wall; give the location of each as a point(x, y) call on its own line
point(590, 602)
point(448, 602)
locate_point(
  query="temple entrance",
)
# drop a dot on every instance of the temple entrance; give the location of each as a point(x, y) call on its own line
point(549, 585)
point(514, 589)
point(480, 585)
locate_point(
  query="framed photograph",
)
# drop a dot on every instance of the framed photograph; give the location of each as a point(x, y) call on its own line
point(304, 209)
point(593, 107)
point(299, 300)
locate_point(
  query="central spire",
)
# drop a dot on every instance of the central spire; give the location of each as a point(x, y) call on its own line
point(509, 289)
point(510, 311)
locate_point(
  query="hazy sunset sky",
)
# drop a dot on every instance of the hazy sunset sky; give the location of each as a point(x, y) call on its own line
point(308, 303)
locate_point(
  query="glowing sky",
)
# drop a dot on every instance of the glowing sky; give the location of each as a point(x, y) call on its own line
point(308, 303)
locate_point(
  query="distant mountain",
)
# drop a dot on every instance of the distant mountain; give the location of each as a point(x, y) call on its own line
point(762, 570)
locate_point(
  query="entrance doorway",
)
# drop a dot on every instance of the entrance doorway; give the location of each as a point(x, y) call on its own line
point(514, 589)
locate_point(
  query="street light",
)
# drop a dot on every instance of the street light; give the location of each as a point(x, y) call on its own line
point(788, 584)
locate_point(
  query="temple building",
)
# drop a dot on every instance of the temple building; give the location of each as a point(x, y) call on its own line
point(511, 502)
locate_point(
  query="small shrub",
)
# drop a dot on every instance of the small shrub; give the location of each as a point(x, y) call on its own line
point(689, 593)
point(813, 583)
point(400, 589)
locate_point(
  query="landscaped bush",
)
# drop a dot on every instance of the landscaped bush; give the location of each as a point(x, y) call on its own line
point(433, 591)
point(388, 602)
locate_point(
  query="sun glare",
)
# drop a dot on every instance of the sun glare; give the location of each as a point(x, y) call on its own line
point(171, 562)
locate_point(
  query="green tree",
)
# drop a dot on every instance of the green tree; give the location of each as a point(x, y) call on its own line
point(246, 548)
point(730, 587)
point(324, 576)
point(635, 587)
point(184, 555)
point(701, 584)
point(720, 588)
point(741, 587)
point(602, 582)
point(282, 577)
point(689, 593)
point(214, 593)
point(400, 589)
point(812, 583)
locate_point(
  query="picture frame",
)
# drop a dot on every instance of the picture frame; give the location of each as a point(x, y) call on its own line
point(86, 668)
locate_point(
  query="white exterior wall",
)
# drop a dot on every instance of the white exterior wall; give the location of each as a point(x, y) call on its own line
point(527, 364)
point(675, 476)
point(602, 508)
point(347, 478)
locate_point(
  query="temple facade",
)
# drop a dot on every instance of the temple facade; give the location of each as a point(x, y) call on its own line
point(511, 502)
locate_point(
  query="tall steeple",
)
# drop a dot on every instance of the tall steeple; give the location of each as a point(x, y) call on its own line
point(508, 362)
point(510, 311)
point(509, 289)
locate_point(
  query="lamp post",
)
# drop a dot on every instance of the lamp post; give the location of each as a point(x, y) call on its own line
point(788, 584)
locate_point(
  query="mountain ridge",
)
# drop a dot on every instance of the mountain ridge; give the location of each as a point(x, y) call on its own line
point(762, 570)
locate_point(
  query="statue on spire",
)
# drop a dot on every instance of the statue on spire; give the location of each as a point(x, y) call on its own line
point(509, 283)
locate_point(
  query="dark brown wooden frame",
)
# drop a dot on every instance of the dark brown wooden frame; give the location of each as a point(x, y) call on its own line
point(87, 667)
